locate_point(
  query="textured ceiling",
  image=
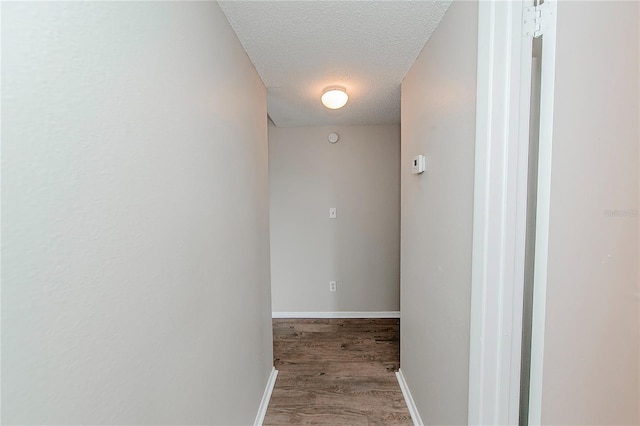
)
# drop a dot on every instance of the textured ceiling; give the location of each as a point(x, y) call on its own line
point(301, 47)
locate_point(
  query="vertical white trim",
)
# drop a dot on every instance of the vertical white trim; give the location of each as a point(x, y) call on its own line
point(266, 397)
point(0, 215)
point(547, 79)
point(500, 201)
point(411, 405)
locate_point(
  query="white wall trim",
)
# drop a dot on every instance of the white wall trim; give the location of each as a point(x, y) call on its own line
point(338, 314)
point(413, 410)
point(499, 221)
point(266, 397)
point(538, 319)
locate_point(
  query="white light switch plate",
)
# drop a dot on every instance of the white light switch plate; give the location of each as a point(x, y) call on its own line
point(333, 213)
point(419, 164)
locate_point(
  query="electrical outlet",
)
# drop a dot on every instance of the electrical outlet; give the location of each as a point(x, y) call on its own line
point(333, 286)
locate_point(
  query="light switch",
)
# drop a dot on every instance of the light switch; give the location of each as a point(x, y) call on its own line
point(418, 165)
point(333, 213)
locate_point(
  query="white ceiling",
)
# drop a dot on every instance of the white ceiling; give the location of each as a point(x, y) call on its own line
point(301, 47)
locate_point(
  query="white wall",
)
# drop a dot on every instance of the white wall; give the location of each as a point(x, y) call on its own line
point(591, 347)
point(438, 119)
point(360, 249)
point(135, 251)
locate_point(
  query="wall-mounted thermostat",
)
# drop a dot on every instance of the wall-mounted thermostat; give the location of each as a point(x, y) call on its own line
point(333, 137)
point(419, 164)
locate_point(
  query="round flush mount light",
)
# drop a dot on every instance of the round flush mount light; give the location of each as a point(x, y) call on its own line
point(334, 97)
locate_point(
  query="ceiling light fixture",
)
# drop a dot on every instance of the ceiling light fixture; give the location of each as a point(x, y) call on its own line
point(334, 97)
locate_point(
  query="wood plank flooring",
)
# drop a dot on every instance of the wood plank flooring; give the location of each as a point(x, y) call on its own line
point(337, 372)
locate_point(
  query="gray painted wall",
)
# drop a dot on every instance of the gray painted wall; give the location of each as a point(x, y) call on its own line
point(591, 347)
point(135, 245)
point(359, 176)
point(438, 119)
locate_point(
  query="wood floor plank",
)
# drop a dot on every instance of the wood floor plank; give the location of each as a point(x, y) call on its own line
point(337, 372)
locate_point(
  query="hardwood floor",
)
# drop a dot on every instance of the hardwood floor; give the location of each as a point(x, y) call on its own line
point(337, 372)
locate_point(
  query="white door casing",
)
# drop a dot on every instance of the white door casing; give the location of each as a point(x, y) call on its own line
point(500, 201)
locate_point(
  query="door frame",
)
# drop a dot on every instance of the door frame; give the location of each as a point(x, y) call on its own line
point(547, 94)
point(499, 222)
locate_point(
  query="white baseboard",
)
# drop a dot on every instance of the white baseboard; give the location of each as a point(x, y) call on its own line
point(264, 404)
point(413, 410)
point(338, 314)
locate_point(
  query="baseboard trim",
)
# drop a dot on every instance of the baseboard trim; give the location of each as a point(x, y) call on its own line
point(266, 397)
point(413, 410)
point(338, 314)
